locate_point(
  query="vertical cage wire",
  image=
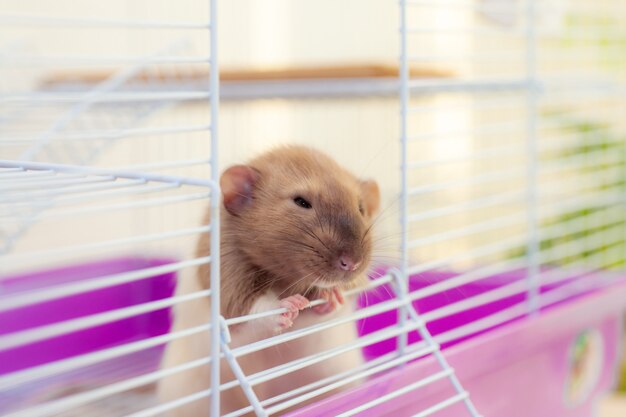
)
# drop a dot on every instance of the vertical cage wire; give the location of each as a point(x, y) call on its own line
point(402, 280)
point(404, 261)
point(216, 321)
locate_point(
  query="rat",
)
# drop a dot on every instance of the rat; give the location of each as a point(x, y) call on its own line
point(295, 227)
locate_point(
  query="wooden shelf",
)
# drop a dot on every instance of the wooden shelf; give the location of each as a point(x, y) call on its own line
point(254, 83)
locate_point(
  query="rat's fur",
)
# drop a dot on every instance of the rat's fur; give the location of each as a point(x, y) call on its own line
point(273, 249)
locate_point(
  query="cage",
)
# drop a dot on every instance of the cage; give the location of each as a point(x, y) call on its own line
point(495, 129)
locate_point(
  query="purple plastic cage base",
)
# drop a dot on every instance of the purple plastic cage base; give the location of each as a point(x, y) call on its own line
point(521, 368)
point(72, 307)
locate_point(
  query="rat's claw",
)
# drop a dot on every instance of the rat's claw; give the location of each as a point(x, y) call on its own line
point(339, 296)
point(293, 304)
point(283, 323)
point(333, 298)
point(323, 308)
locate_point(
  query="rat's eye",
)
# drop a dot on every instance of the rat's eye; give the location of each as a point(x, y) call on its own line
point(302, 202)
point(361, 210)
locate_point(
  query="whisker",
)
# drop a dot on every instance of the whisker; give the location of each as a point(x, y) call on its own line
point(296, 283)
point(312, 285)
point(318, 218)
point(314, 235)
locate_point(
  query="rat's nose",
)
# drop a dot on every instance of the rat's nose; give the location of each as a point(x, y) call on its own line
point(346, 263)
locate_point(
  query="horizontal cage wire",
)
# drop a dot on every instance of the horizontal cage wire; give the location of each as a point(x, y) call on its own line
point(510, 199)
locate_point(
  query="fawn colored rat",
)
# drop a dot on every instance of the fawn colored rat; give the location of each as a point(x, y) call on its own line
point(295, 227)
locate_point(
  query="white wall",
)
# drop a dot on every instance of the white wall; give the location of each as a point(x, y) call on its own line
point(361, 133)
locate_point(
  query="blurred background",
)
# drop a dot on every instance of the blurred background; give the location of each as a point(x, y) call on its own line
point(324, 73)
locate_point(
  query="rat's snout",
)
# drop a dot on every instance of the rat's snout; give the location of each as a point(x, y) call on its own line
point(347, 263)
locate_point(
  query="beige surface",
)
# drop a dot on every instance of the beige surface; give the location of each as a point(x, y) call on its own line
point(614, 406)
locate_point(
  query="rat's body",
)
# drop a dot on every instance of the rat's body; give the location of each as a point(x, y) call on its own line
point(295, 228)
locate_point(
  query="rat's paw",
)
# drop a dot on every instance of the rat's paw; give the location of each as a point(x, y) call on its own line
point(333, 297)
point(293, 304)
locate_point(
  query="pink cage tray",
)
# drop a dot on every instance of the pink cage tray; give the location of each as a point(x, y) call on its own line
point(554, 364)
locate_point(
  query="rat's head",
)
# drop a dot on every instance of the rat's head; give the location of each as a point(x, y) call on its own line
point(296, 214)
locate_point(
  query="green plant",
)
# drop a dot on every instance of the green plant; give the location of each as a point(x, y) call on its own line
point(601, 151)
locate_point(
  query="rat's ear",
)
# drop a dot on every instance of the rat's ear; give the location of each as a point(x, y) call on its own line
point(237, 184)
point(371, 196)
